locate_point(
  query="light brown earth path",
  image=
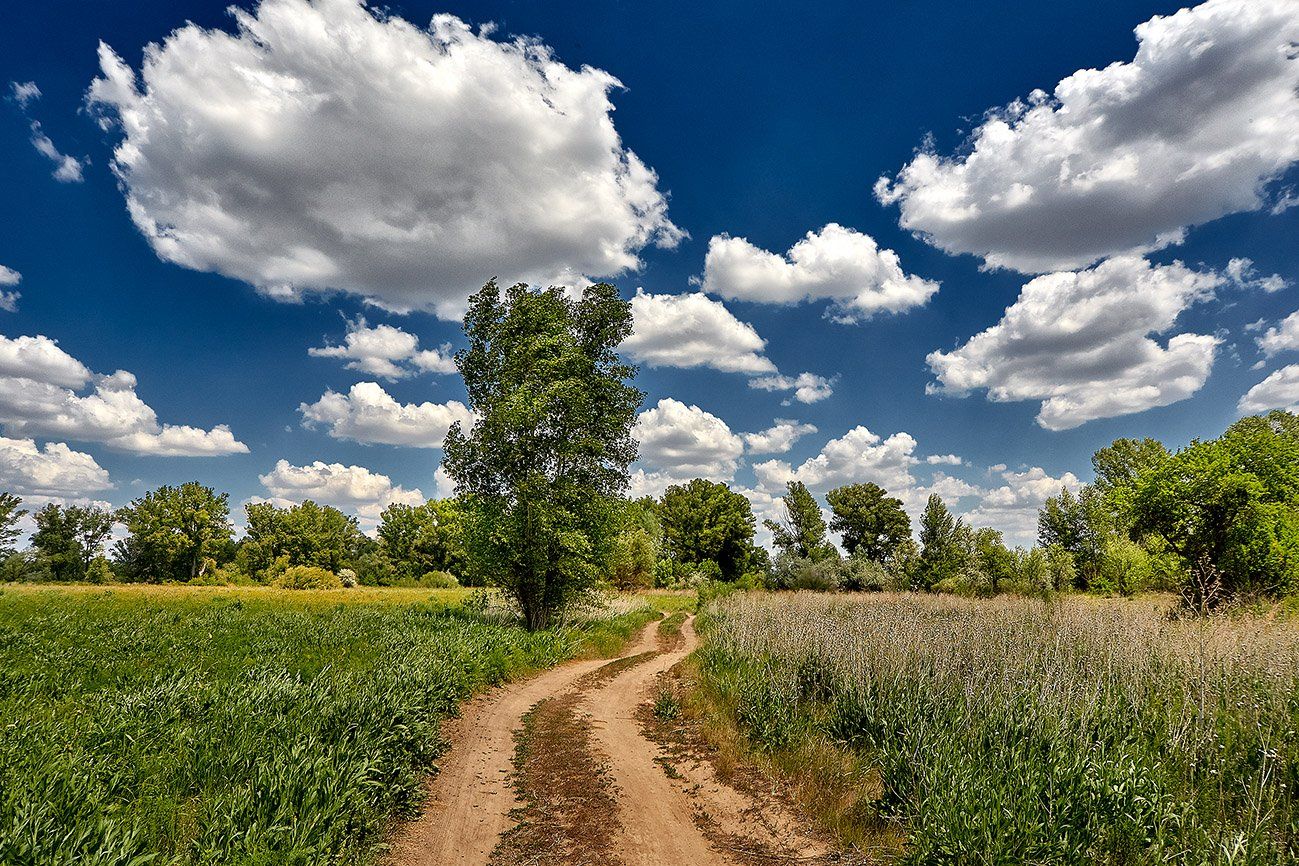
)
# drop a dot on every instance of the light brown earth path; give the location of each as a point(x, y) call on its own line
point(688, 817)
point(468, 802)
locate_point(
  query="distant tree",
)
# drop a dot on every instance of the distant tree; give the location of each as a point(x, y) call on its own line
point(871, 523)
point(801, 531)
point(1228, 509)
point(636, 548)
point(542, 471)
point(705, 521)
point(69, 538)
point(307, 534)
point(944, 547)
point(418, 539)
point(10, 514)
point(1081, 525)
point(1119, 468)
point(991, 557)
point(173, 532)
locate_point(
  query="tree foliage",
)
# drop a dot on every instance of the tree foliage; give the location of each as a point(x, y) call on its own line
point(419, 539)
point(307, 534)
point(10, 513)
point(174, 531)
point(69, 537)
point(944, 546)
point(871, 523)
point(541, 472)
point(801, 532)
point(706, 521)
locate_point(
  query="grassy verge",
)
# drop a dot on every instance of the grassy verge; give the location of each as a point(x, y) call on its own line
point(240, 726)
point(934, 729)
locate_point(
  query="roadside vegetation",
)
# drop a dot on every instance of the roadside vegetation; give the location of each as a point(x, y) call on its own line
point(929, 728)
point(239, 726)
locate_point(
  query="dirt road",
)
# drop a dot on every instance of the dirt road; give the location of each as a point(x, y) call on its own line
point(529, 761)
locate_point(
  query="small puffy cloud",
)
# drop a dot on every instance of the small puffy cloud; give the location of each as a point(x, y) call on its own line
point(1242, 272)
point(328, 146)
point(951, 488)
point(54, 469)
point(387, 352)
point(835, 263)
point(1013, 506)
point(39, 396)
point(349, 488)
point(807, 387)
point(1080, 343)
point(684, 442)
point(9, 299)
point(778, 438)
point(693, 331)
point(369, 414)
point(67, 169)
point(1282, 337)
point(944, 460)
point(857, 456)
point(1123, 159)
point(1278, 391)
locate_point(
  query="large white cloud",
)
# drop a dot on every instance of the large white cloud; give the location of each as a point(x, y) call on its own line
point(857, 456)
point(1080, 343)
point(350, 488)
point(367, 413)
point(685, 442)
point(1280, 390)
point(1281, 337)
point(1122, 159)
point(387, 352)
point(778, 438)
point(39, 385)
point(51, 470)
point(693, 331)
point(835, 263)
point(327, 146)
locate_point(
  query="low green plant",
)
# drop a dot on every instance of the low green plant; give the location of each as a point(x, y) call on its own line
point(308, 577)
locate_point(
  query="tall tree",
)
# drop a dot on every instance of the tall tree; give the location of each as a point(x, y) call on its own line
point(173, 532)
point(1119, 468)
point(707, 521)
point(801, 532)
point(304, 534)
point(871, 523)
point(71, 537)
point(10, 514)
point(542, 471)
point(943, 544)
point(418, 539)
point(1229, 510)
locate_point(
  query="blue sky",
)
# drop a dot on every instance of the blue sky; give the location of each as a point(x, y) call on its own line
point(285, 189)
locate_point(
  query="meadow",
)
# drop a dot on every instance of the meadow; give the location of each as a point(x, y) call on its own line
point(179, 725)
point(926, 728)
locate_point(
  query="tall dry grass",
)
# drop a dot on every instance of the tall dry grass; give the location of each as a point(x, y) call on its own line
point(1019, 731)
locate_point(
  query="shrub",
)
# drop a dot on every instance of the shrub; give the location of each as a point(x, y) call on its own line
point(308, 577)
point(439, 580)
point(25, 567)
point(100, 571)
point(347, 577)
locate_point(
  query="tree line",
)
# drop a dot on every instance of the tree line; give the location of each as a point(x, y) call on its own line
point(540, 508)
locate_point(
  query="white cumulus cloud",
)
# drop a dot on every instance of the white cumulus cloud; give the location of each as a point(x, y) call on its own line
point(348, 488)
point(687, 442)
point(857, 456)
point(1122, 159)
point(39, 396)
point(53, 469)
point(387, 352)
point(369, 414)
point(807, 387)
point(324, 145)
point(9, 299)
point(693, 331)
point(1280, 390)
point(1281, 337)
point(778, 438)
point(1013, 506)
point(1080, 343)
point(835, 263)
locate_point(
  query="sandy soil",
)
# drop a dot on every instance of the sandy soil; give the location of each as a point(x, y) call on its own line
point(661, 812)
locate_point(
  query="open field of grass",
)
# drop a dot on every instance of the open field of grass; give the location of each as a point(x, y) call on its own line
point(936, 729)
point(193, 725)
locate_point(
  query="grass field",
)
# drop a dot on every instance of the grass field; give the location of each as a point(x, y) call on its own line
point(936, 729)
point(237, 726)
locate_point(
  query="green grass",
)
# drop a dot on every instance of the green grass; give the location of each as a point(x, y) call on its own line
point(1014, 731)
point(214, 726)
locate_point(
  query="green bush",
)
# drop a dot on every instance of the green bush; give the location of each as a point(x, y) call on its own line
point(100, 571)
point(308, 577)
point(439, 580)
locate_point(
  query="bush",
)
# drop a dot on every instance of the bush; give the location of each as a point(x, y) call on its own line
point(347, 577)
point(100, 571)
point(308, 577)
point(439, 580)
point(26, 567)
